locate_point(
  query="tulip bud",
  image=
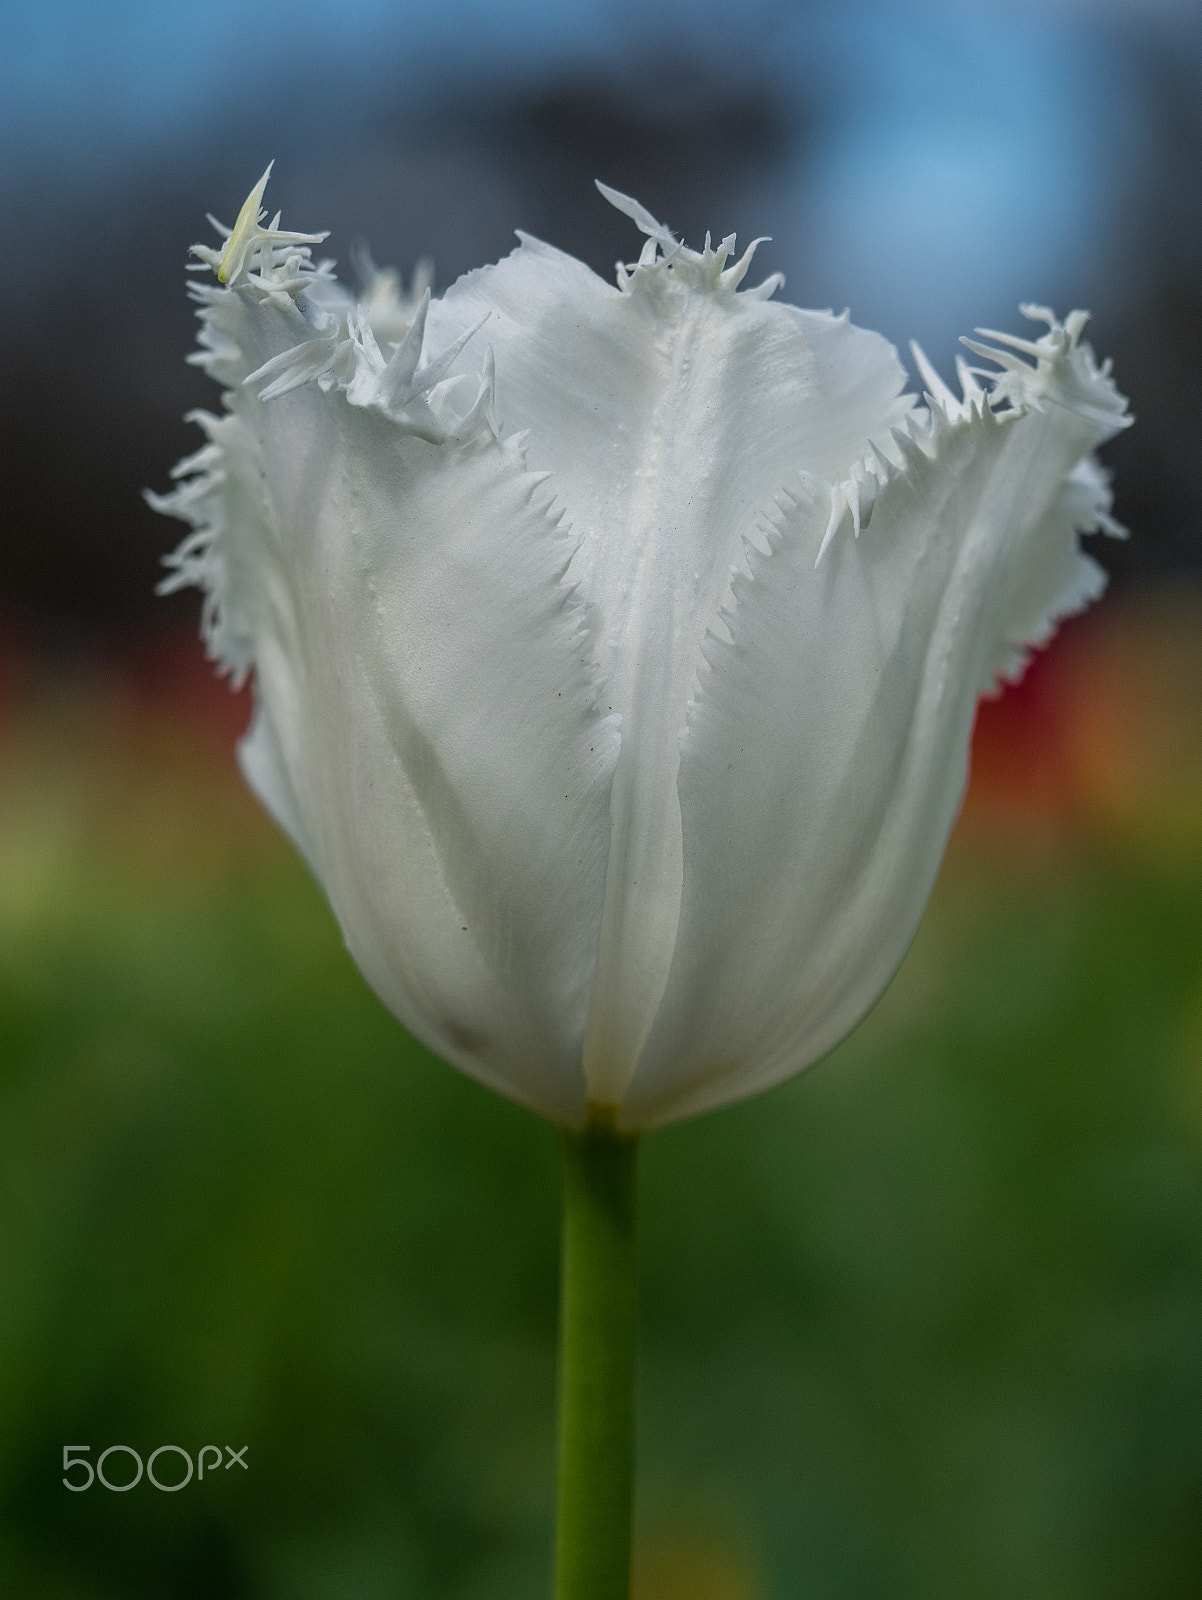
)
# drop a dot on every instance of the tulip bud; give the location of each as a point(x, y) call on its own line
point(615, 650)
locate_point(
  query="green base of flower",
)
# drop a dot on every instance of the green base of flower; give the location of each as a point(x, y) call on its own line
point(596, 1375)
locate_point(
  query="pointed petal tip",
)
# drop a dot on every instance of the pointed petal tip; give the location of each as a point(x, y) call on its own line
point(247, 217)
point(936, 388)
point(765, 290)
point(637, 212)
point(1028, 347)
point(733, 276)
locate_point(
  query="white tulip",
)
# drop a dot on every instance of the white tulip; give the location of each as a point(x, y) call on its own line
point(615, 649)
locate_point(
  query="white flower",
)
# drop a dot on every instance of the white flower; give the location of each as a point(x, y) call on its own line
point(615, 650)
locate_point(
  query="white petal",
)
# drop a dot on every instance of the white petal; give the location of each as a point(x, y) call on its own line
point(265, 768)
point(826, 752)
point(670, 417)
point(427, 723)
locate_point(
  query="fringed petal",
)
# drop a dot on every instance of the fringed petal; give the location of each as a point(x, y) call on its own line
point(826, 749)
point(669, 417)
point(427, 726)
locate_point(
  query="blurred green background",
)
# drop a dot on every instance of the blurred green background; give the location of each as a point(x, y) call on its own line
point(925, 1322)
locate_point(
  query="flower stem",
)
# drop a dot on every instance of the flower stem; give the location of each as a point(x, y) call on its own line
point(596, 1370)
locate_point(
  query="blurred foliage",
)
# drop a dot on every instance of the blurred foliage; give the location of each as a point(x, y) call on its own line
point(925, 1322)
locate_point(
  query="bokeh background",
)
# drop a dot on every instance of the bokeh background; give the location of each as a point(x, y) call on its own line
point(924, 1323)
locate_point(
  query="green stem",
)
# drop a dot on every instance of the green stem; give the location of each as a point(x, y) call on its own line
point(596, 1365)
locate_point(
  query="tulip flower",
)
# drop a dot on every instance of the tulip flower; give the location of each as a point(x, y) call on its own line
point(615, 652)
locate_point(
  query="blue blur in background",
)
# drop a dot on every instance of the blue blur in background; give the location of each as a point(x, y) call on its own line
point(929, 165)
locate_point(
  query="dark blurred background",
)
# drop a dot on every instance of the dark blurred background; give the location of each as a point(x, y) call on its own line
point(927, 1322)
